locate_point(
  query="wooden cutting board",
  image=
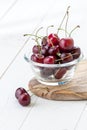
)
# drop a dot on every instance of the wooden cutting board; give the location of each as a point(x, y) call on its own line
point(74, 90)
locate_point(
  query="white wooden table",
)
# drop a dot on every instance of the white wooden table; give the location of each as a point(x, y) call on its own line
point(18, 17)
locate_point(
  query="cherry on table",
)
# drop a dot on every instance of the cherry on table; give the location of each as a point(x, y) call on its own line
point(24, 99)
point(19, 91)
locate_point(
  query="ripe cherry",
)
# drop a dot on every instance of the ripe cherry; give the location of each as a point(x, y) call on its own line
point(49, 60)
point(66, 57)
point(44, 41)
point(19, 91)
point(37, 58)
point(53, 39)
point(24, 99)
point(59, 73)
point(76, 52)
point(36, 49)
point(66, 44)
point(53, 50)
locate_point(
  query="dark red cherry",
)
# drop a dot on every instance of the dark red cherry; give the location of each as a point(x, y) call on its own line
point(66, 44)
point(36, 49)
point(59, 73)
point(66, 57)
point(53, 50)
point(44, 41)
point(37, 58)
point(19, 91)
point(24, 99)
point(76, 52)
point(53, 39)
point(49, 60)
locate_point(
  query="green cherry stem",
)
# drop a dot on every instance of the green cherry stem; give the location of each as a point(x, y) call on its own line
point(66, 23)
point(48, 28)
point(64, 30)
point(63, 19)
point(36, 35)
point(40, 37)
point(73, 30)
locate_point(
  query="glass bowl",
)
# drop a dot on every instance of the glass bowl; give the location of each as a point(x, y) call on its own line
point(54, 74)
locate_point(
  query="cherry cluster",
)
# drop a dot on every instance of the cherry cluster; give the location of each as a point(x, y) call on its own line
point(23, 96)
point(54, 50)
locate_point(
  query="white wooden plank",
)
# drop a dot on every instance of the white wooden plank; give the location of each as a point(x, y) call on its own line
point(53, 115)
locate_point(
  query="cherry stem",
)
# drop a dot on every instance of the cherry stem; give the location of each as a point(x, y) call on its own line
point(36, 35)
point(73, 30)
point(66, 23)
point(40, 37)
point(64, 30)
point(48, 28)
point(63, 19)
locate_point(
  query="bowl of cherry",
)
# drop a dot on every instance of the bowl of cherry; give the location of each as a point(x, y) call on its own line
point(54, 59)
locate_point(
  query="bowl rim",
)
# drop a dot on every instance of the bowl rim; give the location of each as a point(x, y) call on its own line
point(27, 58)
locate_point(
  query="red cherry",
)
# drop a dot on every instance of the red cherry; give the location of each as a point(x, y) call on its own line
point(19, 91)
point(76, 52)
point(37, 58)
point(66, 44)
point(36, 49)
point(24, 99)
point(53, 39)
point(49, 60)
point(53, 50)
point(60, 73)
point(66, 57)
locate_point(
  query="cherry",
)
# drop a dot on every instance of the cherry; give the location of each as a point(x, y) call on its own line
point(44, 41)
point(66, 44)
point(66, 57)
point(19, 91)
point(24, 99)
point(76, 52)
point(44, 50)
point(36, 49)
point(53, 39)
point(37, 58)
point(49, 60)
point(45, 72)
point(53, 50)
point(59, 73)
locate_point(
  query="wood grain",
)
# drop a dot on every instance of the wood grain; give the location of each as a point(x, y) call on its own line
point(74, 90)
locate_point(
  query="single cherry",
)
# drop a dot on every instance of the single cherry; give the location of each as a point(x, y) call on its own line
point(53, 39)
point(66, 57)
point(37, 58)
point(44, 41)
point(59, 73)
point(24, 99)
point(76, 52)
point(66, 44)
point(36, 49)
point(19, 91)
point(49, 60)
point(53, 50)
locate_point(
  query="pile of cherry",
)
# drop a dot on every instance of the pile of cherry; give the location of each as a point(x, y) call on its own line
point(54, 50)
point(51, 50)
